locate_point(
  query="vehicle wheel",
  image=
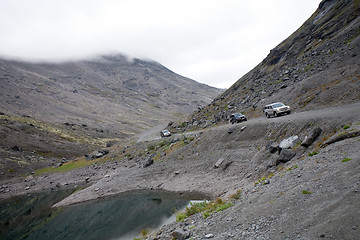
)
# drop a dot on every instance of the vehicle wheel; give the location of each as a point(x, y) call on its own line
point(267, 115)
point(288, 112)
point(275, 114)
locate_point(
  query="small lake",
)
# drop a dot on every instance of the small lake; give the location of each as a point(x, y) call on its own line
point(118, 217)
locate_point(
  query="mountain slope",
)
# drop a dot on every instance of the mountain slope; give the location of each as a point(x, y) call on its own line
point(50, 113)
point(317, 66)
point(110, 92)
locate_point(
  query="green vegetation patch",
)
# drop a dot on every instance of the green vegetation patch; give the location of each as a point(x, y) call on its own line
point(306, 192)
point(263, 179)
point(236, 195)
point(205, 207)
point(79, 163)
point(346, 127)
point(313, 153)
point(346, 160)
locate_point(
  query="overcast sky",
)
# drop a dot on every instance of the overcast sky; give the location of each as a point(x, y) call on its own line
point(211, 41)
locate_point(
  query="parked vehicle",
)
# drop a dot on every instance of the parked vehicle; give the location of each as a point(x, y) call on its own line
point(165, 133)
point(237, 118)
point(276, 109)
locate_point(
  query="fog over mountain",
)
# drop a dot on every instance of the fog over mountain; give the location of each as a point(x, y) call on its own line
point(212, 42)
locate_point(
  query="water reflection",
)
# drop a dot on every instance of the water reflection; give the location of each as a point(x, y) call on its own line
point(120, 217)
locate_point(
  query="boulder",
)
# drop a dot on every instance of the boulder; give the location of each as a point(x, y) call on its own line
point(341, 137)
point(312, 137)
point(285, 156)
point(99, 154)
point(149, 161)
point(180, 234)
point(288, 142)
point(210, 235)
point(273, 147)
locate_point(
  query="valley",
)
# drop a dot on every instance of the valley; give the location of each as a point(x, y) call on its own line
point(93, 126)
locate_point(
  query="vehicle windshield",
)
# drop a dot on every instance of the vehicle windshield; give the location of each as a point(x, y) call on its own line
point(237, 115)
point(165, 131)
point(277, 105)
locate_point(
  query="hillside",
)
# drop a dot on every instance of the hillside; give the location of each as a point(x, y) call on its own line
point(110, 92)
point(317, 66)
point(51, 111)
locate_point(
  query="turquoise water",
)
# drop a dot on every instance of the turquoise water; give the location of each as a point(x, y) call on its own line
point(119, 217)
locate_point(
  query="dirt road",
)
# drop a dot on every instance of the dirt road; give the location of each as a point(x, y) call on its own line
point(346, 112)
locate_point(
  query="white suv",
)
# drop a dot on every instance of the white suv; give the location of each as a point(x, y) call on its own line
point(276, 109)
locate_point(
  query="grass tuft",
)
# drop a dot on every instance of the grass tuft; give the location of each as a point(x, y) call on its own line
point(346, 127)
point(236, 195)
point(313, 153)
point(346, 160)
point(306, 192)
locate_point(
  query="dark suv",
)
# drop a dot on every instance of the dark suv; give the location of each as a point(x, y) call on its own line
point(237, 117)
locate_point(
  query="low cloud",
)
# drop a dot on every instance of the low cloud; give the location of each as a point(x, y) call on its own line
point(213, 42)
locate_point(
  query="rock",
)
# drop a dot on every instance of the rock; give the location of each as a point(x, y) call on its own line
point(101, 153)
point(285, 156)
point(231, 130)
point(210, 235)
point(341, 137)
point(149, 161)
point(180, 234)
point(15, 148)
point(227, 164)
point(288, 142)
point(273, 147)
point(312, 137)
point(218, 163)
